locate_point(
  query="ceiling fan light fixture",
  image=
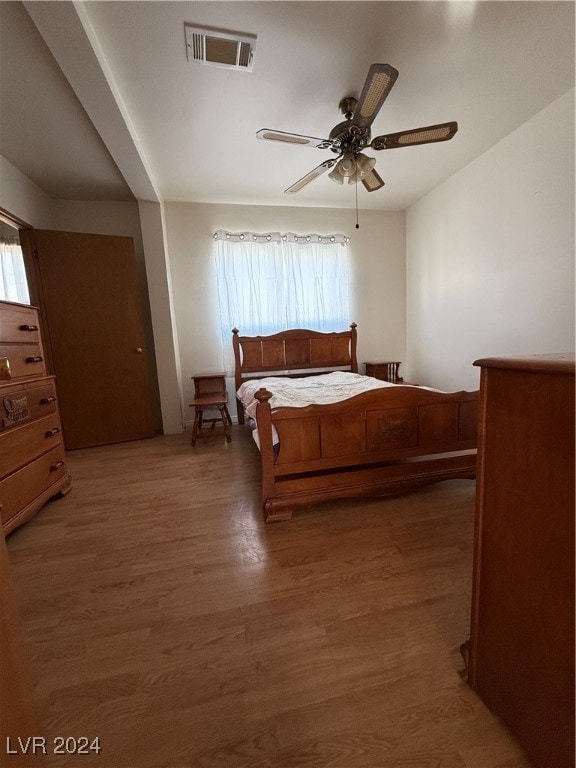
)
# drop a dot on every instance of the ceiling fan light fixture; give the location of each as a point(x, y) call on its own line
point(364, 166)
point(352, 168)
point(347, 165)
point(336, 176)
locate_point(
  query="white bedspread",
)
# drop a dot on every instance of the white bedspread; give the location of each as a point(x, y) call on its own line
point(310, 390)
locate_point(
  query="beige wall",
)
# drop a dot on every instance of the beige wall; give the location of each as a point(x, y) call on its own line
point(377, 264)
point(490, 255)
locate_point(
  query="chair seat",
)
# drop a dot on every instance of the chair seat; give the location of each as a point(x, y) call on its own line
point(211, 399)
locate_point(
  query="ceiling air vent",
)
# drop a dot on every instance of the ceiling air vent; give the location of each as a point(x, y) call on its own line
point(220, 48)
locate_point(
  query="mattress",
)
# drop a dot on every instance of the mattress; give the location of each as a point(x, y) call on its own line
point(300, 392)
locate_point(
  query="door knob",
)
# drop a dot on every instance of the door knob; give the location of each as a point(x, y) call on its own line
point(139, 350)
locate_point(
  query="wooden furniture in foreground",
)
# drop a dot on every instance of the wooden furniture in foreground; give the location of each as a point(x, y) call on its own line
point(210, 395)
point(384, 370)
point(19, 711)
point(32, 460)
point(382, 442)
point(521, 650)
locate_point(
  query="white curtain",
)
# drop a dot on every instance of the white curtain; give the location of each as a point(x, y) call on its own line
point(270, 282)
point(250, 286)
point(13, 284)
point(316, 285)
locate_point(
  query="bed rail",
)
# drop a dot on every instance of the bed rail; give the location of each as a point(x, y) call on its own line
point(380, 442)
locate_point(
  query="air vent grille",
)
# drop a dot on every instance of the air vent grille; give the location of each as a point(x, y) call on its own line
point(219, 48)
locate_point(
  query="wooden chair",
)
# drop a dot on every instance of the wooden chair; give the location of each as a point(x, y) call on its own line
point(210, 395)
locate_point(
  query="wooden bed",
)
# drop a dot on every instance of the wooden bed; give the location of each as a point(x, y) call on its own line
point(381, 442)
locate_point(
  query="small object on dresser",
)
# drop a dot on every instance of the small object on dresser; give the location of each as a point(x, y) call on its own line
point(210, 394)
point(5, 374)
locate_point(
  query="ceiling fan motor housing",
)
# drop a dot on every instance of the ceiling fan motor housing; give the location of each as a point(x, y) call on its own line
point(348, 106)
point(348, 137)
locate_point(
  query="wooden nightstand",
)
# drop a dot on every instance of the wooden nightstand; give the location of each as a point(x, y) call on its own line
point(386, 370)
point(210, 394)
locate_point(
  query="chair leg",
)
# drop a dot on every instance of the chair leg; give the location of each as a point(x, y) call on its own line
point(225, 416)
point(197, 423)
point(204, 427)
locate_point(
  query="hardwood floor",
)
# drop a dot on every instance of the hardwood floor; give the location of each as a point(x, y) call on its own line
point(166, 618)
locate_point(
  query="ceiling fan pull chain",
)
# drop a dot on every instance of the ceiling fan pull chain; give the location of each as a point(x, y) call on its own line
point(356, 188)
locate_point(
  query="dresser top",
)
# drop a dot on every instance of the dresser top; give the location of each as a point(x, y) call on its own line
point(554, 362)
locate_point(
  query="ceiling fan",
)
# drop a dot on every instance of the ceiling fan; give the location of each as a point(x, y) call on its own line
point(349, 138)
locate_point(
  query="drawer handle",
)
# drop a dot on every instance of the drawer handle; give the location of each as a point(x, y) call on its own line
point(28, 327)
point(52, 432)
point(35, 359)
point(47, 400)
point(55, 467)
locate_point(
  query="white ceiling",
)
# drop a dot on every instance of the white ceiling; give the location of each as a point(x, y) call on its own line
point(141, 121)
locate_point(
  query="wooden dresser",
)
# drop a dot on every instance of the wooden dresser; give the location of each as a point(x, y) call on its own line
point(521, 651)
point(32, 460)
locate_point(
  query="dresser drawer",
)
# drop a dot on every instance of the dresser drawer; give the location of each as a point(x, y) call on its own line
point(22, 403)
point(24, 360)
point(20, 446)
point(19, 323)
point(22, 487)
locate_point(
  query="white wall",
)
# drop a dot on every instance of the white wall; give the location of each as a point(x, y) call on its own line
point(23, 199)
point(162, 315)
point(490, 255)
point(378, 276)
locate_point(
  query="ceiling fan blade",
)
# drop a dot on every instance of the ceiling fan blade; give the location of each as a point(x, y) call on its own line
point(372, 181)
point(318, 171)
point(293, 138)
point(378, 84)
point(427, 135)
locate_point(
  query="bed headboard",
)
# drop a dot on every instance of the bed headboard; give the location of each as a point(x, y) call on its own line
point(293, 350)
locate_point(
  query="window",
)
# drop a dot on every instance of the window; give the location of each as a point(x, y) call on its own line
point(269, 283)
point(13, 284)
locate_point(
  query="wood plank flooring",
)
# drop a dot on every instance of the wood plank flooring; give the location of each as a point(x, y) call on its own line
point(166, 618)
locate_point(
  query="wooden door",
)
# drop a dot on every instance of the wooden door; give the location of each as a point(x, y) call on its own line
point(90, 301)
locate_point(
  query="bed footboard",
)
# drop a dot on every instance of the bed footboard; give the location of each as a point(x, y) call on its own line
point(382, 442)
